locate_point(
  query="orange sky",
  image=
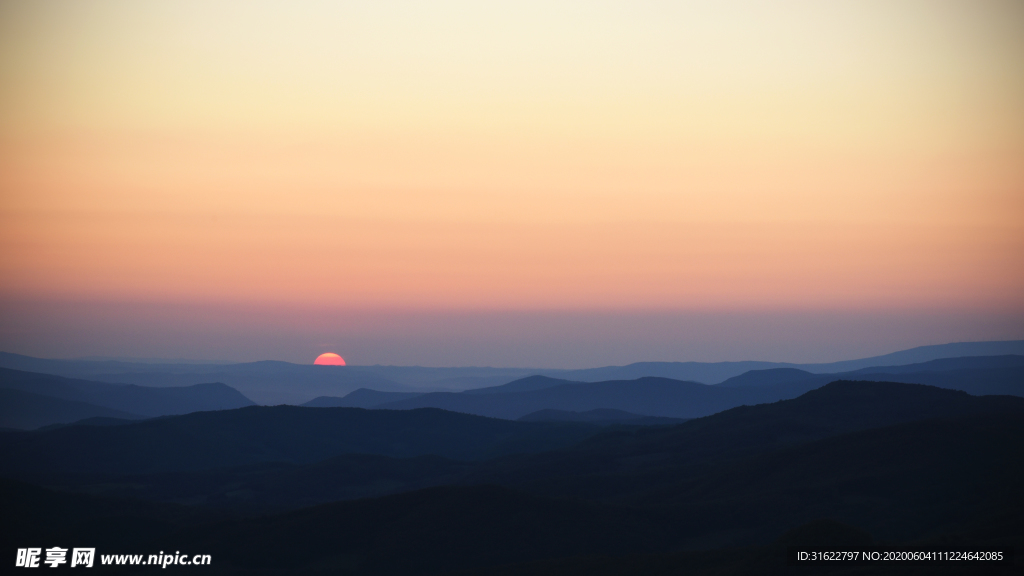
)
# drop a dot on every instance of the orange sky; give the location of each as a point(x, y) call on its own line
point(533, 156)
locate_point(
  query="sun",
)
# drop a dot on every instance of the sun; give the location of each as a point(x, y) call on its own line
point(329, 359)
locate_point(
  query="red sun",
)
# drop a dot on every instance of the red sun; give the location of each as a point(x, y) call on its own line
point(329, 359)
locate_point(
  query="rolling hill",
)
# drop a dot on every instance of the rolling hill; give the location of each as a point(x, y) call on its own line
point(646, 396)
point(603, 416)
point(361, 398)
point(838, 408)
point(675, 399)
point(265, 382)
point(207, 440)
point(110, 400)
point(977, 375)
point(892, 483)
point(28, 411)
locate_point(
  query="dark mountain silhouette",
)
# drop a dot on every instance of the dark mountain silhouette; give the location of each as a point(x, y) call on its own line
point(445, 528)
point(838, 408)
point(949, 364)
point(431, 379)
point(674, 399)
point(130, 399)
point(500, 549)
point(771, 376)
point(92, 421)
point(28, 411)
point(884, 480)
point(1007, 381)
point(276, 486)
point(885, 461)
point(528, 384)
point(865, 479)
point(934, 483)
point(922, 354)
point(604, 417)
point(428, 530)
point(361, 398)
point(35, 514)
point(704, 372)
point(205, 440)
point(646, 396)
point(976, 375)
point(716, 372)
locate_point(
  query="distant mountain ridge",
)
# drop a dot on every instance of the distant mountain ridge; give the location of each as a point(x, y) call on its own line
point(360, 398)
point(264, 382)
point(716, 372)
point(923, 354)
point(668, 398)
point(977, 375)
point(107, 400)
point(275, 382)
point(528, 384)
point(768, 377)
point(651, 397)
point(947, 364)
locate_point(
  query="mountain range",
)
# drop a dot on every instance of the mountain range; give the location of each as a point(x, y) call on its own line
point(614, 471)
point(663, 397)
point(274, 382)
point(33, 400)
point(848, 463)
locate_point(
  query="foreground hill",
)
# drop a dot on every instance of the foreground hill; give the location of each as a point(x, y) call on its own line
point(838, 408)
point(275, 486)
point(892, 482)
point(206, 440)
point(34, 514)
point(444, 528)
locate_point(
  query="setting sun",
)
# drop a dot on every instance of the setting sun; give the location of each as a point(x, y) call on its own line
point(329, 359)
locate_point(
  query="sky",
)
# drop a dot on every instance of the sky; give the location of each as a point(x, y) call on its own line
point(549, 184)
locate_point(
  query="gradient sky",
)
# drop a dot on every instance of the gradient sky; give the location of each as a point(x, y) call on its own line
point(510, 183)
